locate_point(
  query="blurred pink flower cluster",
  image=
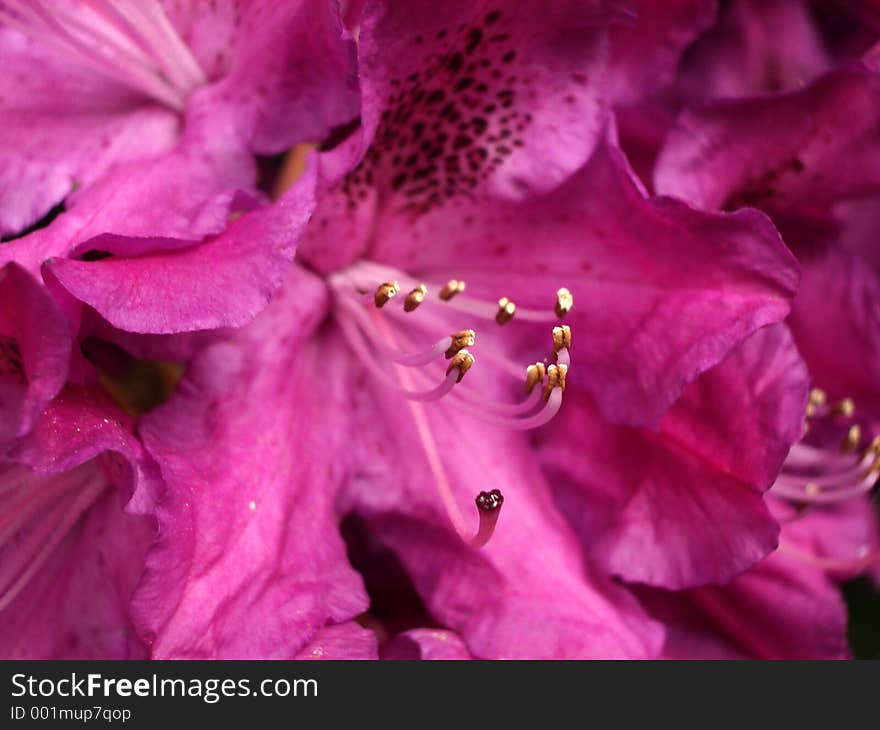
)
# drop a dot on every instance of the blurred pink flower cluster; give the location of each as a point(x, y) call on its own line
point(396, 329)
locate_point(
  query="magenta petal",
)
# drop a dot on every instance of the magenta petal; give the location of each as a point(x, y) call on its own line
point(528, 594)
point(293, 78)
point(683, 506)
point(778, 610)
point(662, 292)
point(463, 101)
point(549, 62)
point(70, 557)
point(80, 425)
point(427, 644)
point(645, 55)
point(744, 414)
point(839, 539)
point(187, 193)
point(756, 47)
point(184, 193)
point(779, 152)
point(76, 606)
point(161, 286)
point(346, 641)
point(248, 530)
point(64, 125)
point(836, 323)
point(789, 606)
point(34, 351)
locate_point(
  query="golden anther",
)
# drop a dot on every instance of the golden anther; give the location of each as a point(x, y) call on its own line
point(461, 361)
point(873, 447)
point(460, 340)
point(384, 292)
point(555, 379)
point(817, 397)
point(564, 302)
point(450, 289)
point(852, 438)
point(534, 375)
point(813, 489)
point(561, 338)
point(415, 298)
point(845, 407)
point(506, 310)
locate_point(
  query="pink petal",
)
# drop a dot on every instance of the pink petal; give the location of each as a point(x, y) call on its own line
point(836, 323)
point(757, 47)
point(34, 351)
point(782, 152)
point(163, 286)
point(293, 77)
point(777, 610)
point(645, 55)
point(64, 126)
point(74, 601)
point(528, 594)
point(427, 644)
point(248, 533)
point(76, 607)
point(683, 506)
point(662, 292)
point(464, 101)
point(341, 641)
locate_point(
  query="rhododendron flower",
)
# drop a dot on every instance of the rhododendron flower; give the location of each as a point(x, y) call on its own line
point(561, 344)
point(332, 404)
point(807, 157)
point(144, 119)
point(789, 606)
point(681, 54)
point(682, 505)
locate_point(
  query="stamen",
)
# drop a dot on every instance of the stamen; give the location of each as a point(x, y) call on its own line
point(536, 420)
point(357, 342)
point(460, 340)
point(831, 487)
point(462, 361)
point(561, 338)
point(351, 289)
point(506, 310)
point(415, 298)
point(803, 456)
point(489, 507)
point(845, 408)
point(555, 380)
point(852, 438)
point(534, 375)
point(404, 358)
point(385, 292)
point(817, 399)
point(451, 288)
point(502, 312)
point(564, 302)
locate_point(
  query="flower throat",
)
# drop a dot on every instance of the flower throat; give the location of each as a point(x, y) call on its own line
point(376, 308)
